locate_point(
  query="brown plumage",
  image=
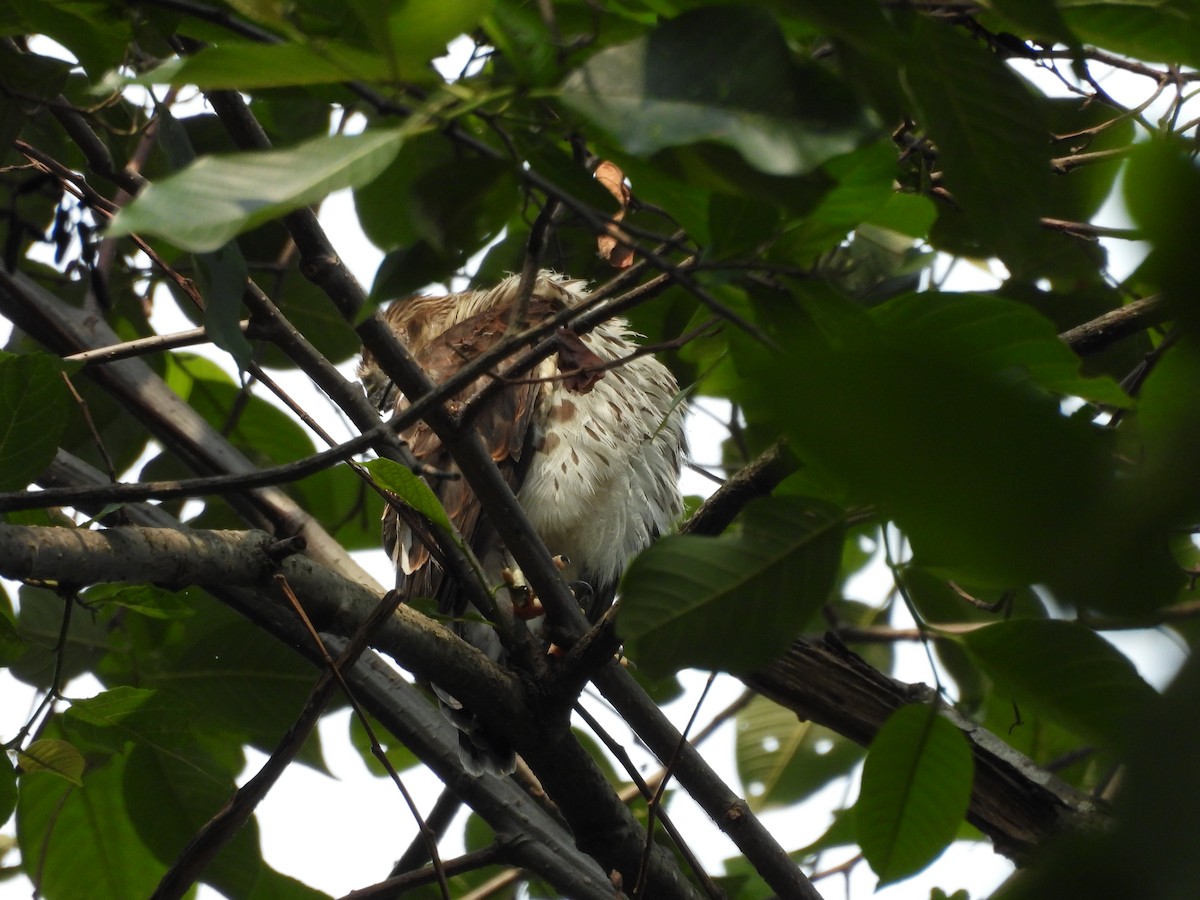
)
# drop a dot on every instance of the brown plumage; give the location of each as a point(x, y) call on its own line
point(593, 453)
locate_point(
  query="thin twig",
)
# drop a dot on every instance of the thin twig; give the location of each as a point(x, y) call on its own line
point(654, 806)
point(91, 426)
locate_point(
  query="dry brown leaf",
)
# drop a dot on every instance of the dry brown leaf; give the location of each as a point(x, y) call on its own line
point(619, 255)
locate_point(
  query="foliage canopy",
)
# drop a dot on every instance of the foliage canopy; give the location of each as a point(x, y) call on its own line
point(803, 178)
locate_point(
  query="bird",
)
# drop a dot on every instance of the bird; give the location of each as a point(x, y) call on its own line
point(591, 441)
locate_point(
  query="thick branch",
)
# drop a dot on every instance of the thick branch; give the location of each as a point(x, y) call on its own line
point(546, 848)
point(1016, 803)
point(67, 330)
point(1103, 331)
point(227, 560)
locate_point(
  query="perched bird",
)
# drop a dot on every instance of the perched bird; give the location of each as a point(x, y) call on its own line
point(591, 442)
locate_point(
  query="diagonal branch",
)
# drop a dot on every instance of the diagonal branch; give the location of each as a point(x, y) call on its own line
point(1014, 801)
point(138, 388)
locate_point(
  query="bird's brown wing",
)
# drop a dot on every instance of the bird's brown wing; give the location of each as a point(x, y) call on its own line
point(506, 426)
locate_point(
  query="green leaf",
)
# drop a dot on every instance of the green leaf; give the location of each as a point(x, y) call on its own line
point(417, 31)
point(33, 413)
point(991, 138)
point(224, 195)
point(401, 481)
point(90, 30)
point(524, 40)
point(26, 76)
point(55, 757)
point(702, 77)
point(916, 786)
point(39, 622)
point(841, 832)
point(245, 65)
point(1000, 335)
point(1163, 31)
point(1162, 190)
point(344, 505)
point(154, 720)
point(1078, 195)
point(308, 308)
point(223, 282)
point(83, 839)
point(385, 222)
point(261, 430)
point(1067, 673)
point(929, 418)
point(238, 684)
point(782, 759)
point(1039, 20)
point(908, 214)
point(864, 187)
point(459, 206)
point(681, 597)
point(12, 645)
point(8, 790)
point(146, 599)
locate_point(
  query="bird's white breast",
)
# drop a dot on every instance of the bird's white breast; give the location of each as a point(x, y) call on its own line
point(603, 482)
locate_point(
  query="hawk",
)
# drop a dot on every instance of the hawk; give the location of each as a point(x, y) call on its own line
point(591, 442)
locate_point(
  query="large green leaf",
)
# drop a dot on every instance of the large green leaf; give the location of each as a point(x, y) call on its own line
point(398, 755)
point(459, 206)
point(1037, 19)
point(782, 759)
point(206, 204)
point(26, 76)
point(864, 186)
point(308, 308)
point(916, 785)
point(89, 29)
point(1163, 31)
point(719, 74)
point(8, 790)
point(346, 507)
point(246, 65)
point(1001, 335)
point(736, 601)
point(33, 412)
point(991, 137)
point(980, 469)
point(82, 839)
point(1162, 190)
point(260, 429)
point(1147, 851)
point(155, 721)
point(88, 638)
point(416, 31)
point(241, 686)
point(1066, 672)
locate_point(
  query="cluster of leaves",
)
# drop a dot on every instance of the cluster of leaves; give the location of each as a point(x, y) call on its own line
point(795, 170)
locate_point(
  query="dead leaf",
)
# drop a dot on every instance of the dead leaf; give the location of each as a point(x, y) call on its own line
point(619, 255)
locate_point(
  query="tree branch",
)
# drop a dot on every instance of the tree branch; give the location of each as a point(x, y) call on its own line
point(1015, 802)
point(549, 851)
point(1105, 330)
point(67, 330)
